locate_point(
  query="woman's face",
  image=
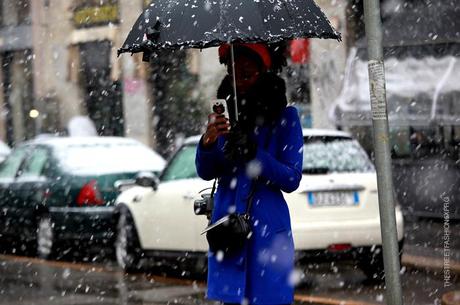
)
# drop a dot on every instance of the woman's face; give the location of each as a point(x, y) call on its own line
point(246, 73)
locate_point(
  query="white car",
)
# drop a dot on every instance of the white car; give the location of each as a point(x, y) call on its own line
point(334, 212)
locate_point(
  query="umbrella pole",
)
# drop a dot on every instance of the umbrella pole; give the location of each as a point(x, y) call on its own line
point(390, 250)
point(232, 55)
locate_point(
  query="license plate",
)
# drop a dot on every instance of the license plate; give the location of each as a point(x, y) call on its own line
point(333, 199)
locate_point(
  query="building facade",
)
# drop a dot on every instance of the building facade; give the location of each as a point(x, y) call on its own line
point(16, 75)
point(59, 61)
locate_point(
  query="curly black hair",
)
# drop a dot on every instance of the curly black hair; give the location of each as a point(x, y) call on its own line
point(278, 53)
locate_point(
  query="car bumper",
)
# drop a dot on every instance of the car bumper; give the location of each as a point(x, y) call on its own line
point(324, 255)
point(357, 233)
point(84, 224)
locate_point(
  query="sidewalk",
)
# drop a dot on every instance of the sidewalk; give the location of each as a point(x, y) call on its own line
point(428, 258)
point(424, 245)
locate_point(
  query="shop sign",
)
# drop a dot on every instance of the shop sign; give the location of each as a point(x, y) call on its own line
point(92, 13)
point(147, 3)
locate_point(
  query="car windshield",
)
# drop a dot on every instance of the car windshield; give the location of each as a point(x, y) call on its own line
point(106, 158)
point(182, 166)
point(334, 155)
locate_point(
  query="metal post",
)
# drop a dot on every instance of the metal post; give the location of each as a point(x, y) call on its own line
point(382, 152)
point(235, 98)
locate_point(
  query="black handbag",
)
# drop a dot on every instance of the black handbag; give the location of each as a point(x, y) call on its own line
point(229, 233)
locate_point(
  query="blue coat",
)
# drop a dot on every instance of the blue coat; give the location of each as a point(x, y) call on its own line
point(262, 272)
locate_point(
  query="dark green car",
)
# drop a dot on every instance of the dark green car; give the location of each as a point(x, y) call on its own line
point(61, 191)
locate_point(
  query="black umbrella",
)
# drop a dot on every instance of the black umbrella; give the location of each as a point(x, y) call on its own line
point(173, 24)
point(207, 23)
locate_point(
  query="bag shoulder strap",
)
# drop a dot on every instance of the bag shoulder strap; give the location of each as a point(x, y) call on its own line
point(254, 181)
point(213, 190)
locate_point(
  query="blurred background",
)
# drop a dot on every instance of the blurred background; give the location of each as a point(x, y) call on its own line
point(60, 75)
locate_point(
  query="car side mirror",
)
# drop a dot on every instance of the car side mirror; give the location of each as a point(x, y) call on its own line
point(147, 179)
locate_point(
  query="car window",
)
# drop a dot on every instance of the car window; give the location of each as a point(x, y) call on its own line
point(337, 155)
point(10, 166)
point(35, 163)
point(182, 166)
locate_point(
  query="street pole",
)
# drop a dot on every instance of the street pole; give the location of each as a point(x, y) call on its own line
point(373, 25)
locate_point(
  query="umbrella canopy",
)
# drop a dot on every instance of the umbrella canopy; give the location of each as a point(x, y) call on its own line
point(173, 24)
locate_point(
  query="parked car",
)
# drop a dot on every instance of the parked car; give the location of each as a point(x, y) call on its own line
point(334, 212)
point(55, 190)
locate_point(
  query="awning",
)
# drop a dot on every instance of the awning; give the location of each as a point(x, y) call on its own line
point(419, 91)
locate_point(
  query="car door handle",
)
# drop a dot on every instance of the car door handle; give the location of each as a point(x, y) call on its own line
point(188, 197)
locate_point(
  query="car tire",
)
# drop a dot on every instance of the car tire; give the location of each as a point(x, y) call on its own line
point(371, 262)
point(201, 265)
point(45, 238)
point(127, 248)
point(4, 245)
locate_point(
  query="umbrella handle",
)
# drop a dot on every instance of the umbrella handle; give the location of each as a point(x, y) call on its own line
point(232, 55)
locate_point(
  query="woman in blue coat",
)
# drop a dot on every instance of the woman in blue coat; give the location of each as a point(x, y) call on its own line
point(265, 145)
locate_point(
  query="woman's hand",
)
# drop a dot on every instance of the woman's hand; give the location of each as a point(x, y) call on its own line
point(217, 125)
point(239, 147)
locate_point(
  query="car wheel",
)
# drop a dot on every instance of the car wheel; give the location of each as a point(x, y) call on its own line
point(201, 265)
point(45, 241)
point(4, 245)
point(127, 247)
point(371, 262)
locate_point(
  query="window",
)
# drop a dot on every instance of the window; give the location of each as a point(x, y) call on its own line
point(35, 163)
point(334, 155)
point(15, 13)
point(102, 96)
point(23, 11)
point(182, 166)
point(399, 139)
point(10, 166)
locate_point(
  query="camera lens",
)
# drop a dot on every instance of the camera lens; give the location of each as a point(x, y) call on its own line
point(199, 207)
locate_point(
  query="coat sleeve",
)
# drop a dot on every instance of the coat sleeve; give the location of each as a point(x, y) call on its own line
point(285, 171)
point(209, 161)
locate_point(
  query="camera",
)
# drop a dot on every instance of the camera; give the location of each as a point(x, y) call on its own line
point(218, 107)
point(204, 205)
